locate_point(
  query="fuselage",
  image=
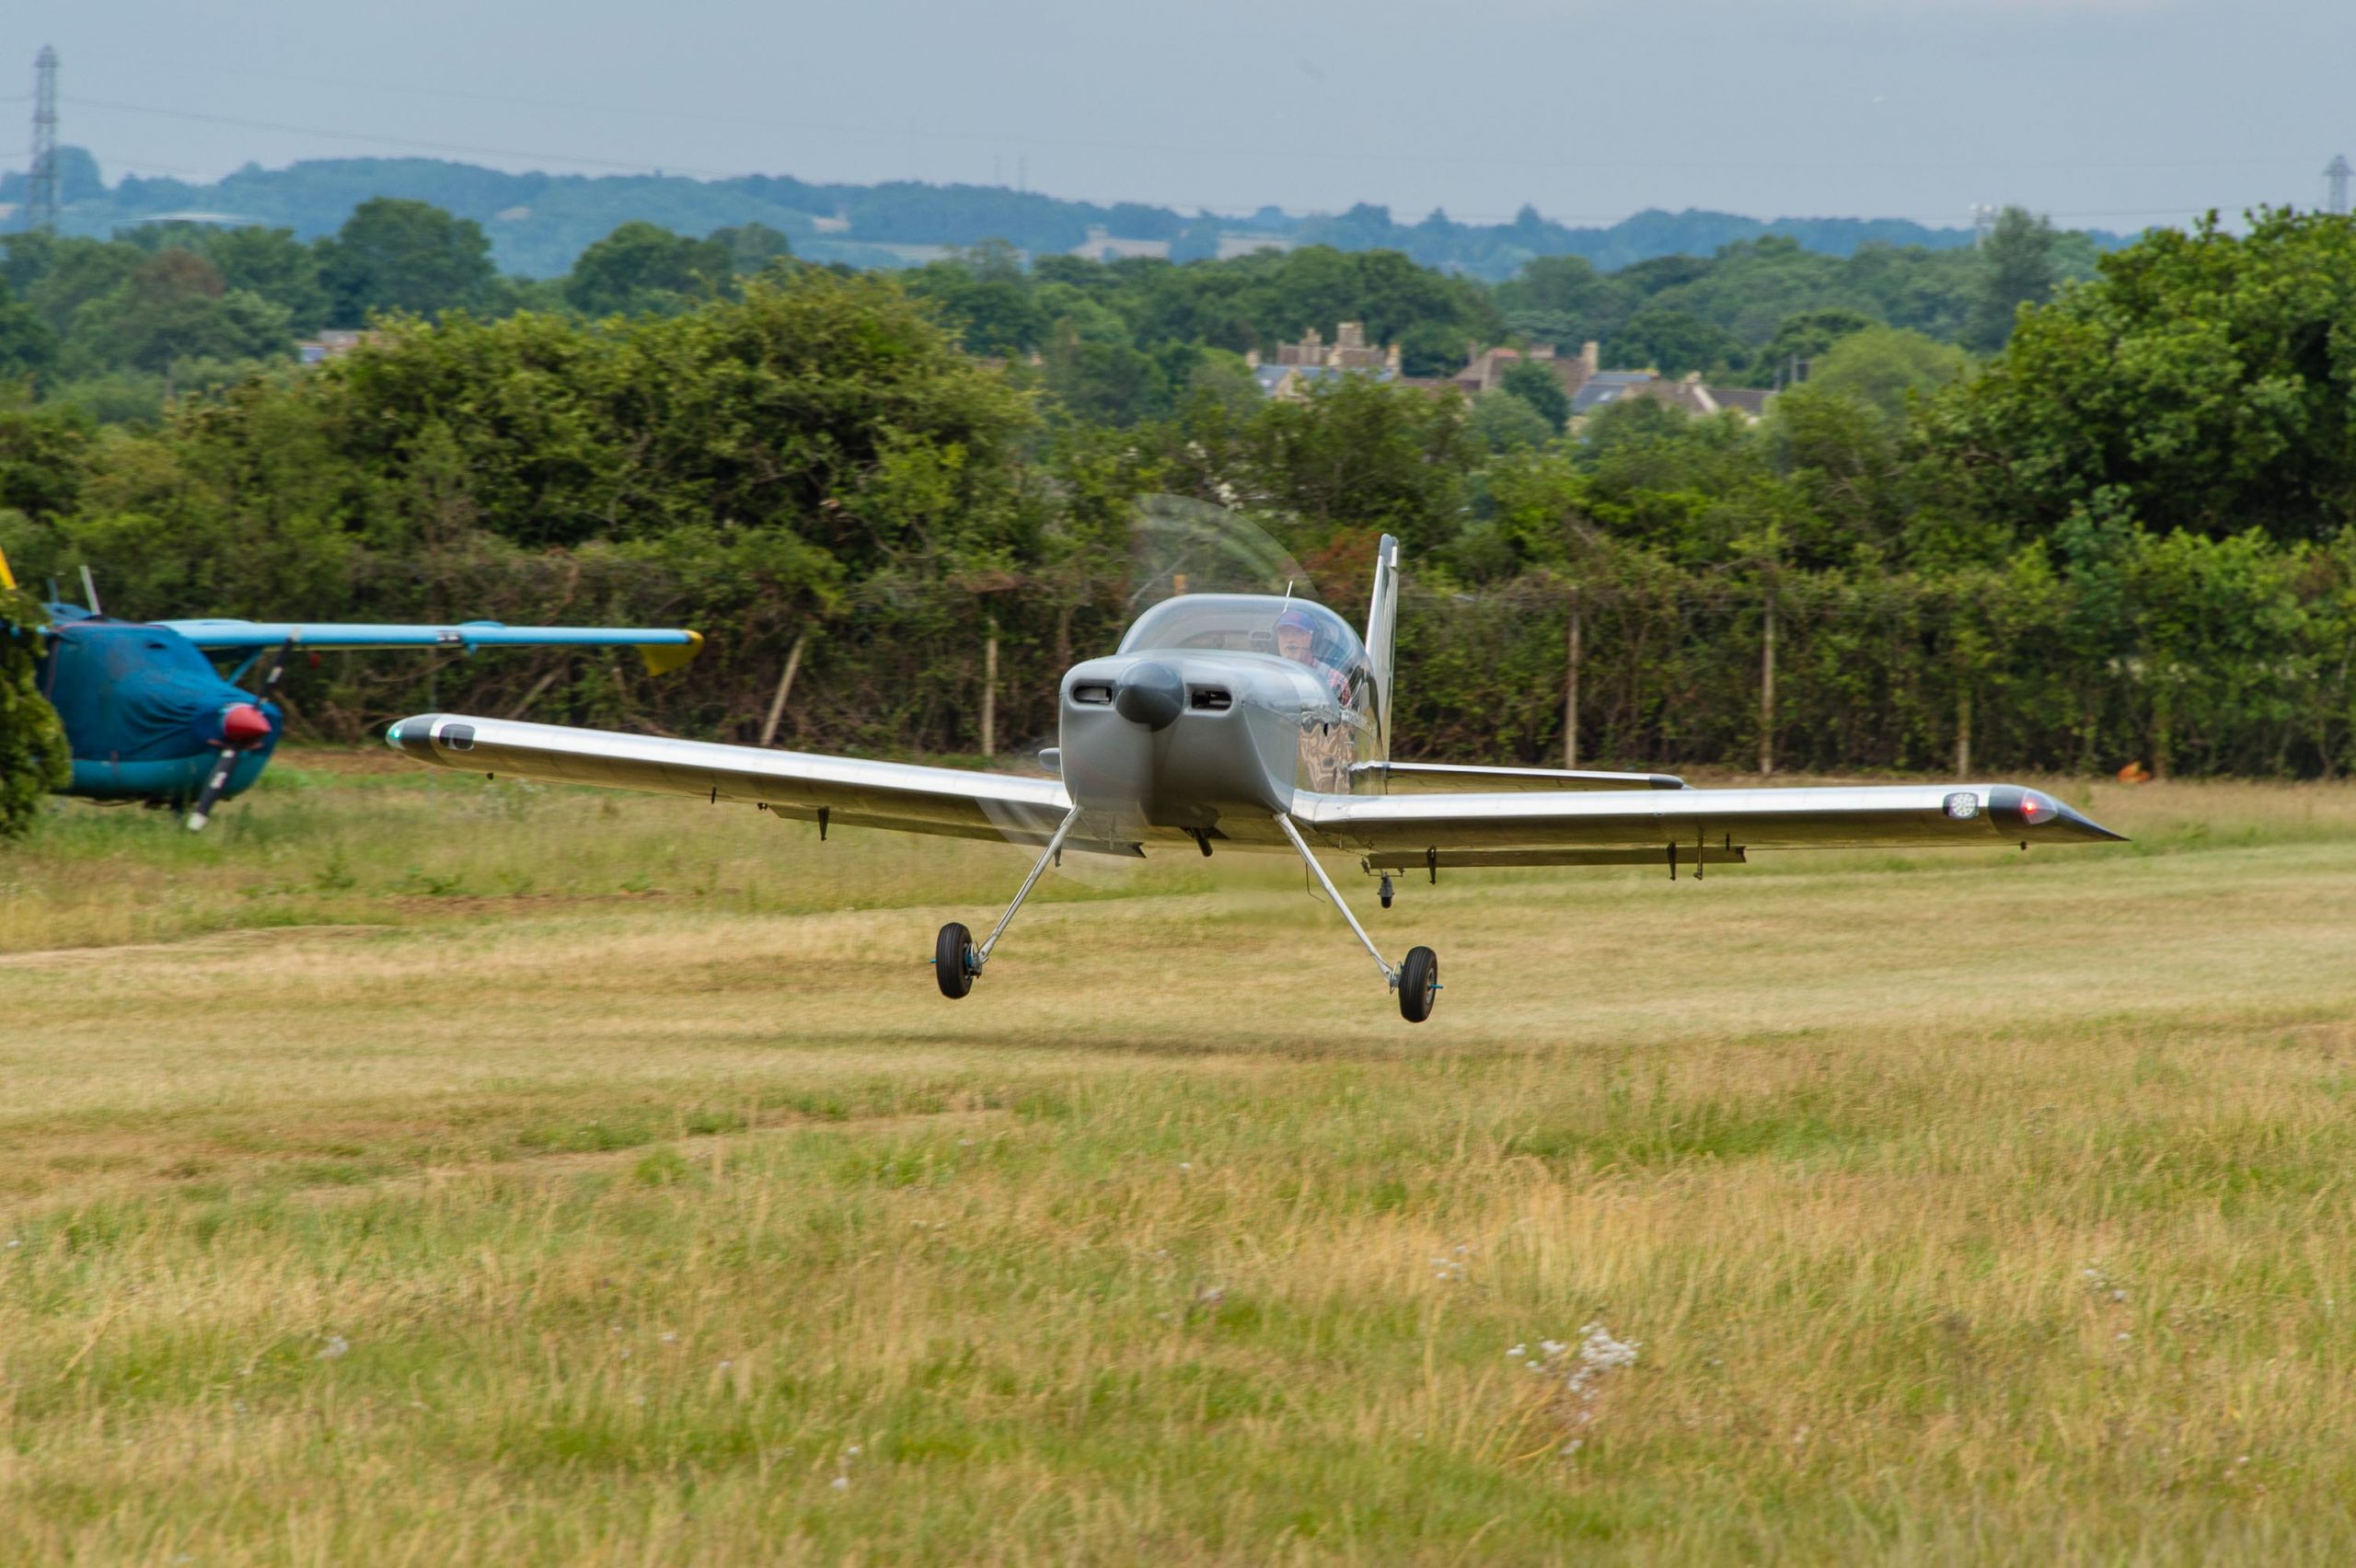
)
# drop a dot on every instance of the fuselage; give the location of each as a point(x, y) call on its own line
point(1198, 725)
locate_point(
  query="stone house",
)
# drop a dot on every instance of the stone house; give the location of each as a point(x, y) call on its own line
point(1298, 367)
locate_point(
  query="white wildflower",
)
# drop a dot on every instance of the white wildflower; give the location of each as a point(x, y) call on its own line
point(1582, 1368)
point(337, 1345)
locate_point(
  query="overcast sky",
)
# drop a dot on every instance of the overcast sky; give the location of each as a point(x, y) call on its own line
point(2107, 113)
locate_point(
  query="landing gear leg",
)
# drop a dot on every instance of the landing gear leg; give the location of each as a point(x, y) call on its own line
point(1417, 981)
point(957, 961)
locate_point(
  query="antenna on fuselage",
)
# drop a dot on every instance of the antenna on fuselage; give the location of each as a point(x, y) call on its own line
point(90, 589)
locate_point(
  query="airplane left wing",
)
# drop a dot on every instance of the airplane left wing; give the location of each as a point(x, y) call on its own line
point(1679, 827)
point(837, 790)
point(664, 649)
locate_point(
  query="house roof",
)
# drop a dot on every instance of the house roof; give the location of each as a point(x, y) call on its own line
point(1271, 376)
point(1607, 386)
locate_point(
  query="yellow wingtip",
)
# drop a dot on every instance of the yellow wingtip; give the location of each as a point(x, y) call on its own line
point(8, 578)
point(662, 658)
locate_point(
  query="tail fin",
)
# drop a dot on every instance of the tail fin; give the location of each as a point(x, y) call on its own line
point(1381, 623)
point(8, 578)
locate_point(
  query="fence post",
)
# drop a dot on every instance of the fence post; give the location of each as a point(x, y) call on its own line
point(1571, 690)
point(1963, 734)
point(785, 686)
point(990, 692)
point(1767, 686)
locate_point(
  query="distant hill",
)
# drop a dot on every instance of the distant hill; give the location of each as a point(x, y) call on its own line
point(538, 223)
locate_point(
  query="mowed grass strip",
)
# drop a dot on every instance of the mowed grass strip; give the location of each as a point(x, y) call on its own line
point(1974, 1208)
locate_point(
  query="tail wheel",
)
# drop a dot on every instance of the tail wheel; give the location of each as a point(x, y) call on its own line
point(1418, 984)
point(952, 960)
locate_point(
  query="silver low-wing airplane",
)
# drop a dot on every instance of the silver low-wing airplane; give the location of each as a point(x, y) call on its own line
point(1249, 722)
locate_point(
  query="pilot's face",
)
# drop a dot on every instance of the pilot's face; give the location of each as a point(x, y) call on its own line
point(1293, 642)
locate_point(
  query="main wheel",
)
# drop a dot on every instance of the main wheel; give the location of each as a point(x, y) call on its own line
point(1418, 984)
point(952, 960)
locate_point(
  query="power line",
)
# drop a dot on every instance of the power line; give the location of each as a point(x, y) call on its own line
point(420, 144)
point(476, 150)
point(1938, 219)
point(1001, 139)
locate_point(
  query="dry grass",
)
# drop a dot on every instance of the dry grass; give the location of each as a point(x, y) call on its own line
point(430, 1174)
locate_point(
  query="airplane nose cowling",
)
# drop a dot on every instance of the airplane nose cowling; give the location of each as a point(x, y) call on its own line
point(1151, 694)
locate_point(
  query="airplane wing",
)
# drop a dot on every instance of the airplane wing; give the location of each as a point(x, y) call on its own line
point(1678, 827)
point(664, 648)
point(837, 790)
point(1640, 824)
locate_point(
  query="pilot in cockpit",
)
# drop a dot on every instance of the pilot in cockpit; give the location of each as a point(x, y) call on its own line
point(1297, 640)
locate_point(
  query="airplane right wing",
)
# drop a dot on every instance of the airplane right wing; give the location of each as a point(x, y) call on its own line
point(839, 790)
point(1679, 827)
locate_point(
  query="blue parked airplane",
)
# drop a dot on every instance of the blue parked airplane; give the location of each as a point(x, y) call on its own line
point(150, 719)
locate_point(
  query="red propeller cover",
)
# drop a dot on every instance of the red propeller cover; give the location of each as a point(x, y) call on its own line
point(244, 725)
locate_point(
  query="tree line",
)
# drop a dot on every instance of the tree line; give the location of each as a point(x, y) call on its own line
point(539, 222)
point(117, 328)
point(2124, 536)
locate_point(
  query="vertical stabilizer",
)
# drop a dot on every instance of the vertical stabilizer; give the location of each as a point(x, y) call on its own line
point(1382, 623)
point(8, 578)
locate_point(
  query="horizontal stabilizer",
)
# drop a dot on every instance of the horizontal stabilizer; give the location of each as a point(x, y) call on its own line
point(1452, 776)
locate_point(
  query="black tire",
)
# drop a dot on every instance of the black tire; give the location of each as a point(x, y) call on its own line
point(1418, 984)
point(952, 960)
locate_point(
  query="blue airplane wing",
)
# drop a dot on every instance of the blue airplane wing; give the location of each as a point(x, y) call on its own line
point(664, 648)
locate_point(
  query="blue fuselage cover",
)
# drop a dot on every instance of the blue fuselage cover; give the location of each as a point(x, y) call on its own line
point(143, 709)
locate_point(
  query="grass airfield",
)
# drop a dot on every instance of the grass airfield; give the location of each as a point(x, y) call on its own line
point(414, 1169)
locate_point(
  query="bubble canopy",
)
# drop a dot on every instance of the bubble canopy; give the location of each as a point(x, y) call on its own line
point(1242, 623)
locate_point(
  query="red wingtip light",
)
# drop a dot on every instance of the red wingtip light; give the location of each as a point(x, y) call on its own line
point(244, 725)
